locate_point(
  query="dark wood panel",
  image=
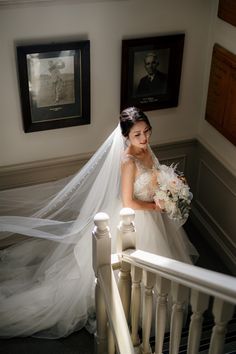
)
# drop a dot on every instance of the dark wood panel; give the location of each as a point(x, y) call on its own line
point(227, 11)
point(217, 92)
point(229, 123)
point(221, 99)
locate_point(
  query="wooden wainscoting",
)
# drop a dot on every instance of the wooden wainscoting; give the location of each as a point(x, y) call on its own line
point(37, 172)
point(214, 190)
point(214, 205)
point(213, 187)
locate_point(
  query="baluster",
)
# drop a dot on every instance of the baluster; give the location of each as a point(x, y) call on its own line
point(148, 281)
point(101, 330)
point(125, 240)
point(101, 256)
point(135, 303)
point(124, 286)
point(199, 303)
point(223, 312)
point(179, 296)
point(111, 342)
point(162, 287)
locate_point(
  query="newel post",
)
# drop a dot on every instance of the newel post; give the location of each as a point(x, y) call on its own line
point(125, 240)
point(101, 256)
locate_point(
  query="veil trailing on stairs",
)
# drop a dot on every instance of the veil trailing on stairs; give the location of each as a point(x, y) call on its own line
point(47, 281)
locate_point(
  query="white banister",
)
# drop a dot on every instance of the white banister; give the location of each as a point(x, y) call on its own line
point(179, 297)
point(125, 240)
point(111, 342)
point(207, 281)
point(183, 276)
point(124, 286)
point(115, 312)
point(101, 242)
point(107, 298)
point(101, 332)
point(136, 275)
point(223, 312)
point(126, 234)
point(199, 303)
point(148, 282)
point(162, 288)
point(170, 281)
point(101, 256)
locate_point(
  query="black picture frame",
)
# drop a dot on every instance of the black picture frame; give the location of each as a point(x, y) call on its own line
point(163, 92)
point(54, 82)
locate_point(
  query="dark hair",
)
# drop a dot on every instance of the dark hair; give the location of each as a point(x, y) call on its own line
point(129, 117)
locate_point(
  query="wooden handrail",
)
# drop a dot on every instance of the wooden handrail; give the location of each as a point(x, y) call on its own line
point(212, 283)
point(107, 297)
point(185, 283)
point(115, 311)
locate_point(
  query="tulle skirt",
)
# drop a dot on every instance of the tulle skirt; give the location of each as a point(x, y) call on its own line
point(47, 287)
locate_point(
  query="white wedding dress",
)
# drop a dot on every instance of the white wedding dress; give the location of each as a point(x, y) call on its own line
point(47, 282)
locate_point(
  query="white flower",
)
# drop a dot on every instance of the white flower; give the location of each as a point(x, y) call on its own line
point(170, 207)
point(174, 191)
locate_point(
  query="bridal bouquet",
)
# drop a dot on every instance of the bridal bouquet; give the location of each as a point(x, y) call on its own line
point(174, 193)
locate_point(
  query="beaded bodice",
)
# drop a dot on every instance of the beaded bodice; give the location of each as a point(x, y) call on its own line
point(145, 182)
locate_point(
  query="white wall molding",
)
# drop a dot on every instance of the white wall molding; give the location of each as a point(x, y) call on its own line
point(215, 239)
point(14, 3)
point(212, 210)
point(36, 172)
point(214, 204)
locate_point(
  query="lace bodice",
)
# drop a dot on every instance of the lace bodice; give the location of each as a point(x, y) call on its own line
point(145, 180)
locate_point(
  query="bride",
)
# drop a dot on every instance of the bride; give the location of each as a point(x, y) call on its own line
point(47, 282)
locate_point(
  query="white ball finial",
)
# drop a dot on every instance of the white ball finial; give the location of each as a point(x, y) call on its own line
point(127, 215)
point(101, 220)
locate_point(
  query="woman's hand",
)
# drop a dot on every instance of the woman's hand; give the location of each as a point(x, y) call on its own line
point(160, 204)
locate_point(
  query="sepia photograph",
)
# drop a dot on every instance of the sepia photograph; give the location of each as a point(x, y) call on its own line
point(151, 71)
point(54, 85)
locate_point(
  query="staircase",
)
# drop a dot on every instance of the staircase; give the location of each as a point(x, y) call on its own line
point(210, 296)
point(230, 338)
point(83, 343)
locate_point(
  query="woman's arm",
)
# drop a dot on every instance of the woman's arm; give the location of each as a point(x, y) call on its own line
point(128, 170)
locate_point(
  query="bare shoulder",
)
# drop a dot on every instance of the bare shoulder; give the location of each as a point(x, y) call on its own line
point(128, 161)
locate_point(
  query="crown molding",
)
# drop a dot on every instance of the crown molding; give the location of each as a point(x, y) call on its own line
point(18, 3)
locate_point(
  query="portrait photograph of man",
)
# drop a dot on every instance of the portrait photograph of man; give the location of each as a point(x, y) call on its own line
point(150, 73)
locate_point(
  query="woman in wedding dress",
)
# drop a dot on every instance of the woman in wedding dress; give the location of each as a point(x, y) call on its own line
point(47, 282)
point(139, 176)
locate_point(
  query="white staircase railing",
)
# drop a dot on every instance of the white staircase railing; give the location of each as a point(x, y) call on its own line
point(145, 279)
point(109, 308)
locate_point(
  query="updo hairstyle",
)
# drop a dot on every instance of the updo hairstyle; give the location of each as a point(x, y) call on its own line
point(129, 117)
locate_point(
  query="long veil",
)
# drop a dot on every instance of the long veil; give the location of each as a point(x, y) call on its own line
point(47, 282)
point(60, 210)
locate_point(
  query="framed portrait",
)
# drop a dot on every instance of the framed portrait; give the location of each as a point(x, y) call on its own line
point(54, 81)
point(151, 71)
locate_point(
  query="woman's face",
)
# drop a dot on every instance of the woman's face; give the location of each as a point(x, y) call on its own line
point(139, 135)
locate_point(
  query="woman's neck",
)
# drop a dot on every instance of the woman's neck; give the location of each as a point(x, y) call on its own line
point(133, 150)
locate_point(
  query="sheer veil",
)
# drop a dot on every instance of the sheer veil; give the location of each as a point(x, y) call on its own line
point(47, 281)
point(60, 210)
